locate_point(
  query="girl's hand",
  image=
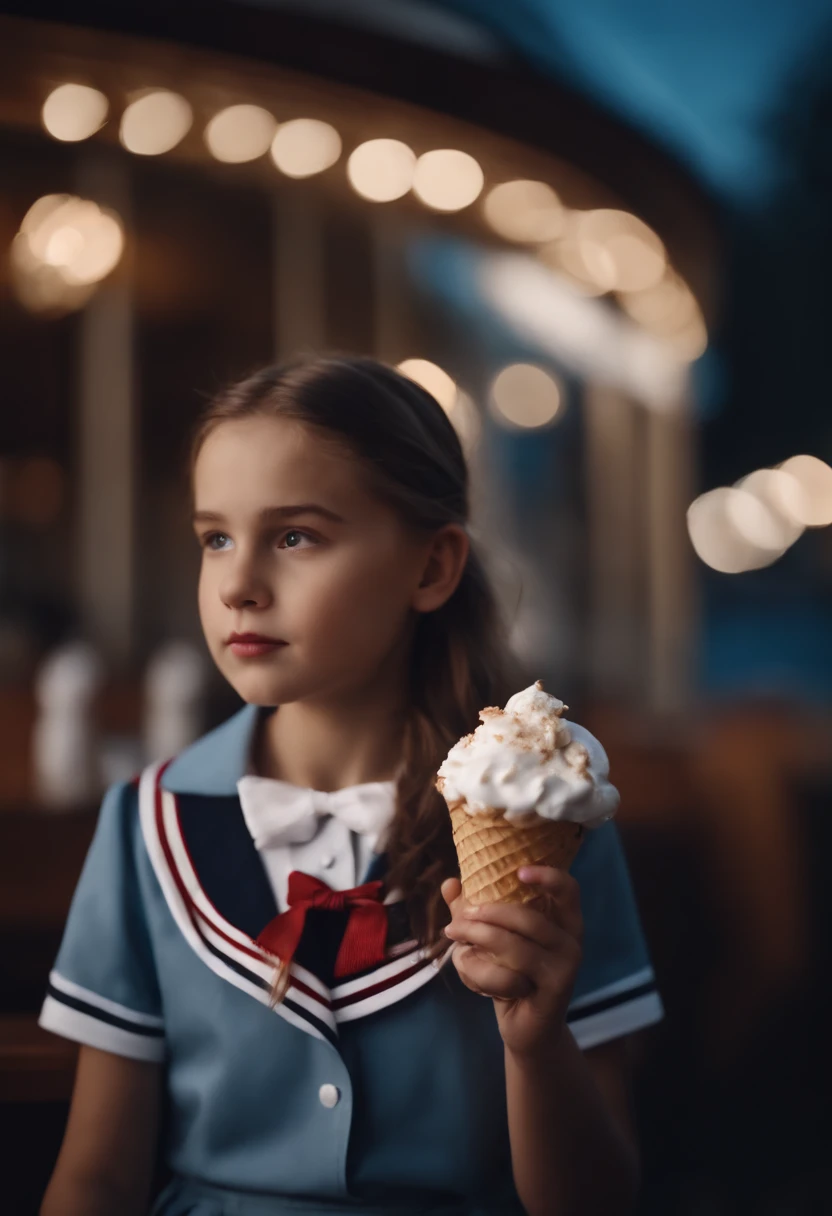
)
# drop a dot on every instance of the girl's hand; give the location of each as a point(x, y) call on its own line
point(524, 956)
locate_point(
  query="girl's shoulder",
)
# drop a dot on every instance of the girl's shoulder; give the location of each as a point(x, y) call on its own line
point(214, 763)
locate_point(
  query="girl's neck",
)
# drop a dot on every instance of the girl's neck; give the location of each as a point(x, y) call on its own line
point(326, 746)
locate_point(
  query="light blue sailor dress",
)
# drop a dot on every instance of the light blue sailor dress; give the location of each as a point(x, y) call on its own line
point(382, 1093)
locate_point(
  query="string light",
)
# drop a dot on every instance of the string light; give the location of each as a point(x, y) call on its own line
point(447, 180)
point(724, 525)
point(155, 123)
point(381, 170)
point(73, 112)
point(239, 134)
point(525, 211)
point(433, 379)
point(525, 396)
point(815, 479)
point(305, 146)
point(619, 251)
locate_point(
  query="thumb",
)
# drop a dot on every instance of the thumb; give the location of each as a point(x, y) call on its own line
point(451, 889)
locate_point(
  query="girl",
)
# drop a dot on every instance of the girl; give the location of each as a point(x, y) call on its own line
point(256, 960)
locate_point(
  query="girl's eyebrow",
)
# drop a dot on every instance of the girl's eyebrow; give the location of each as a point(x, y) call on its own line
point(287, 512)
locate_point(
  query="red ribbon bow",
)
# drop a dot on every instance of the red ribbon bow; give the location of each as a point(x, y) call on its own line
point(364, 938)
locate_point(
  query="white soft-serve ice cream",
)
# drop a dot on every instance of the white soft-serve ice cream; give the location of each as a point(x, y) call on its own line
point(521, 790)
point(528, 758)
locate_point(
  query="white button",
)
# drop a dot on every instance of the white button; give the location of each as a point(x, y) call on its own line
point(330, 1095)
point(328, 861)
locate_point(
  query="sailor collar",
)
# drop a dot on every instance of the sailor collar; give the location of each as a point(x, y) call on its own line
point(218, 893)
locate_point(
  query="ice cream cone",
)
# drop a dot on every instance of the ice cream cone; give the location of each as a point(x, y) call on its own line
point(491, 849)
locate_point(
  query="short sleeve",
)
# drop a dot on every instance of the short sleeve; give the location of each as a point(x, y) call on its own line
point(615, 992)
point(103, 989)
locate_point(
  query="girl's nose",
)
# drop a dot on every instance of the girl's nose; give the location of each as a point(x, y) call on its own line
point(242, 586)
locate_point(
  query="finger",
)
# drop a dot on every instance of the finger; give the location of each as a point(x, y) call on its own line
point(517, 953)
point(451, 890)
point(526, 920)
point(486, 978)
point(559, 894)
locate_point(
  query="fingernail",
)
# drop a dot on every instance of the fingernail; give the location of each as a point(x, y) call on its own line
point(525, 874)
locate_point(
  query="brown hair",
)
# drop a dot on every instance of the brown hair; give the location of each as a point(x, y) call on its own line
point(460, 658)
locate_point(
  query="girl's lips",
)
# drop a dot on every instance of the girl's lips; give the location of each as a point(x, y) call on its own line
point(251, 649)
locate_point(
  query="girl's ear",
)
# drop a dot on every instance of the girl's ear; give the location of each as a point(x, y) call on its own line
point(443, 566)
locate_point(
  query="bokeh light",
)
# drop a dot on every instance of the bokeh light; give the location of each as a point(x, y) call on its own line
point(240, 133)
point(619, 251)
point(815, 479)
point(565, 258)
point(447, 180)
point(155, 123)
point(665, 308)
point(305, 146)
point(784, 501)
point(64, 247)
point(432, 378)
point(526, 396)
point(722, 525)
point(524, 211)
point(73, 112)
point(381, 170)
point(75, 236)
point(669, 310)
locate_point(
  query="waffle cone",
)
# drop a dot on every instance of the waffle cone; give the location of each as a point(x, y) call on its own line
point(491, 849)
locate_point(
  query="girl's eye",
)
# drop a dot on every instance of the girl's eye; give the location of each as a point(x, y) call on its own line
point(208, 541)
point(295, 538)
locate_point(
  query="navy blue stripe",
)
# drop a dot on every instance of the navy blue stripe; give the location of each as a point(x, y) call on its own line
point(621, 998)
point(227, 865)
point(103, 1015)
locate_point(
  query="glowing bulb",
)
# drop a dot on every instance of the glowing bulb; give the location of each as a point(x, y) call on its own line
point(664, 309)
point(525, 396)
point(305, 146)
point(75, 236)
point(815, 479)
point(73, 112)
point(155, 123)
point(432, 378)
point(785, 501)
point(725, 525)
point(447, 180)
point(619, 251)
point(564, 256)
point(239, 134)
point(524, 211)
point(381, 170)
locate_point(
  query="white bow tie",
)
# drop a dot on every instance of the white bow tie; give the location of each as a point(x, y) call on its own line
point(278, 813)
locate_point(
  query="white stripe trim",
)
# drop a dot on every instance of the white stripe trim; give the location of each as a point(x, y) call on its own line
point(84, 1028)
point(310, 980)
point(147, 814)
point(102, 1002)
point(395, 992)
point(624, 985)
point(620, 1020)
point(212, 920)
point(384, 972)
point(323, 1012)
point(170, 818)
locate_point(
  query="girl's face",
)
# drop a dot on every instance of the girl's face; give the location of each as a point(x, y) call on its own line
point(295, 548)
